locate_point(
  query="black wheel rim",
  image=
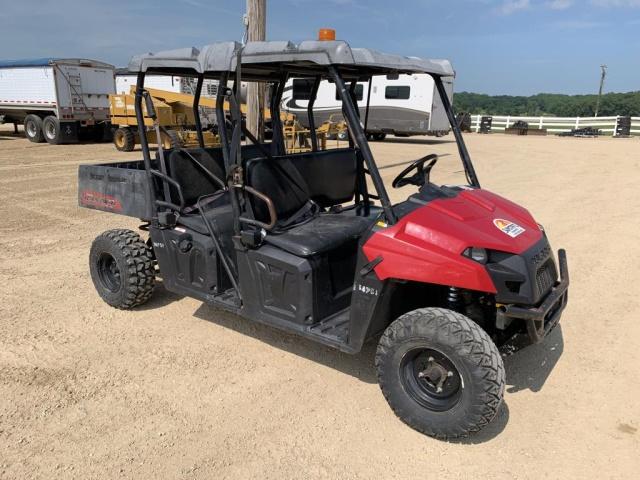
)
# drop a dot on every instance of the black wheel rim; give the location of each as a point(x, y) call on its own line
point(431, 379)
point(109, 272)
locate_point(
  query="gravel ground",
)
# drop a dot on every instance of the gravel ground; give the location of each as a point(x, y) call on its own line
point(177, 389)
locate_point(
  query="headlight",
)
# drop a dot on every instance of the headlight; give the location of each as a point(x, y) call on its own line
point(477, 254)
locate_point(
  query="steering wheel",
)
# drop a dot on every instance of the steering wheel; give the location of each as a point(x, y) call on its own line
point(422, 172)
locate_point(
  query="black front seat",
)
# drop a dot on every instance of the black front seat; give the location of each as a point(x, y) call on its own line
point(300, 230)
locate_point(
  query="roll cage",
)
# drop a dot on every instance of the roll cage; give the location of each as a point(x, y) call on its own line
point(275, 63)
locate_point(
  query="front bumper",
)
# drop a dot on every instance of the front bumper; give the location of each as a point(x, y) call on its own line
point(542, 319)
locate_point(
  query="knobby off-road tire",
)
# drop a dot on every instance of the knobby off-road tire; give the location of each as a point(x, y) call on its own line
point(122, 268)
point(418, 350)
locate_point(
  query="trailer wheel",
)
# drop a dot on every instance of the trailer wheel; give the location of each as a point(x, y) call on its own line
point(124, 139)
point(343, 135)
point(33, 128)
point(440, 372)
point(51, 130)
point(171, 140)
point(122, 268)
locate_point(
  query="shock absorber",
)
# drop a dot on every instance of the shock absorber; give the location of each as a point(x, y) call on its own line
point(454, 299)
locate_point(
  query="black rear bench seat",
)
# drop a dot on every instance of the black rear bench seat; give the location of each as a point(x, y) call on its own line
point(332, 175)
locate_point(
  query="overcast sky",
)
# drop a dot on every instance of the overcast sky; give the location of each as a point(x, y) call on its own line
point(516, 47)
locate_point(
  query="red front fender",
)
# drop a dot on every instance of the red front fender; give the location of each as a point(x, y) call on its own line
point(426, 245)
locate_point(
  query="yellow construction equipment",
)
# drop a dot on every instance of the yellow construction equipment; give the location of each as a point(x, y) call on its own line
point(175, 116)
point(297, 138)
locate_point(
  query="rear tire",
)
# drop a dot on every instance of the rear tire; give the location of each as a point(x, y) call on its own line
point(51, 130)
point(122, 268)
point(171, 140)
point(33, 128)
point(440, 372)
point(124, 139)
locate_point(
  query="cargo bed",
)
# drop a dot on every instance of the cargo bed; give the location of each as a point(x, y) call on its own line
point(121, 187)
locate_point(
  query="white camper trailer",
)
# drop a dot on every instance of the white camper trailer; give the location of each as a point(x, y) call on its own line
point(402, 105)
point(56, 99)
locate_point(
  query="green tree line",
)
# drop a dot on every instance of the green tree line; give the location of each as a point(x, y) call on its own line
point(548, 104)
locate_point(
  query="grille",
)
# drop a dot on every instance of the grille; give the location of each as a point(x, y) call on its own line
point(545, 278)
point(541, 256)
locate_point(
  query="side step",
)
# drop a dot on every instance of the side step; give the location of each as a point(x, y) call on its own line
point(334, 329)
point(228, 300)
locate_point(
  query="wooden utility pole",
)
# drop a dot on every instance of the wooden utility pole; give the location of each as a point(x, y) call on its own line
point(602, 77)
point(256, 92)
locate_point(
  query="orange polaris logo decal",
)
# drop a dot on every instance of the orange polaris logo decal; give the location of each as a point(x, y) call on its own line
point(510, 228)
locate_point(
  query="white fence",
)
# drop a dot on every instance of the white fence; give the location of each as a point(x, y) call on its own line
point(557, 124)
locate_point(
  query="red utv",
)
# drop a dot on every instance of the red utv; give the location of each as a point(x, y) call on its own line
point(311, 244)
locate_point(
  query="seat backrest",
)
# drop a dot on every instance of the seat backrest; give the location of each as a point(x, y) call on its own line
point(193, 181)
point(331, 175)
point(281, 182)
point(248, 152)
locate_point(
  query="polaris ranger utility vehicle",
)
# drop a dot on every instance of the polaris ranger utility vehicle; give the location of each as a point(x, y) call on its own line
point(310, 242)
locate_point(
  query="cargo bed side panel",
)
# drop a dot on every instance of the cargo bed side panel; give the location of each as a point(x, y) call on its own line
point(116, 188)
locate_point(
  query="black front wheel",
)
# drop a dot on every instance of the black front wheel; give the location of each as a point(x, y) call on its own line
point(440, 372)
point(122, 268)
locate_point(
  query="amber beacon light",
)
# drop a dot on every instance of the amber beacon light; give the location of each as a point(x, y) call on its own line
point(326, 34)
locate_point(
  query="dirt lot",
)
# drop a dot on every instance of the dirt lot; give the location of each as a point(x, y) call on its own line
point(180, 390)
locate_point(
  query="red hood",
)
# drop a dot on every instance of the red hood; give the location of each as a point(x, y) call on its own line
point(426, 244)
point(468, 221)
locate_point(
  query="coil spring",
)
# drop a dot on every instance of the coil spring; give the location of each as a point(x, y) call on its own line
point(454, 300)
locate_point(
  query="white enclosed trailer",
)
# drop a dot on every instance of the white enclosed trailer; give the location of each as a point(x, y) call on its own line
point(57, 99)
point(169, 83)
point(402, 105)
